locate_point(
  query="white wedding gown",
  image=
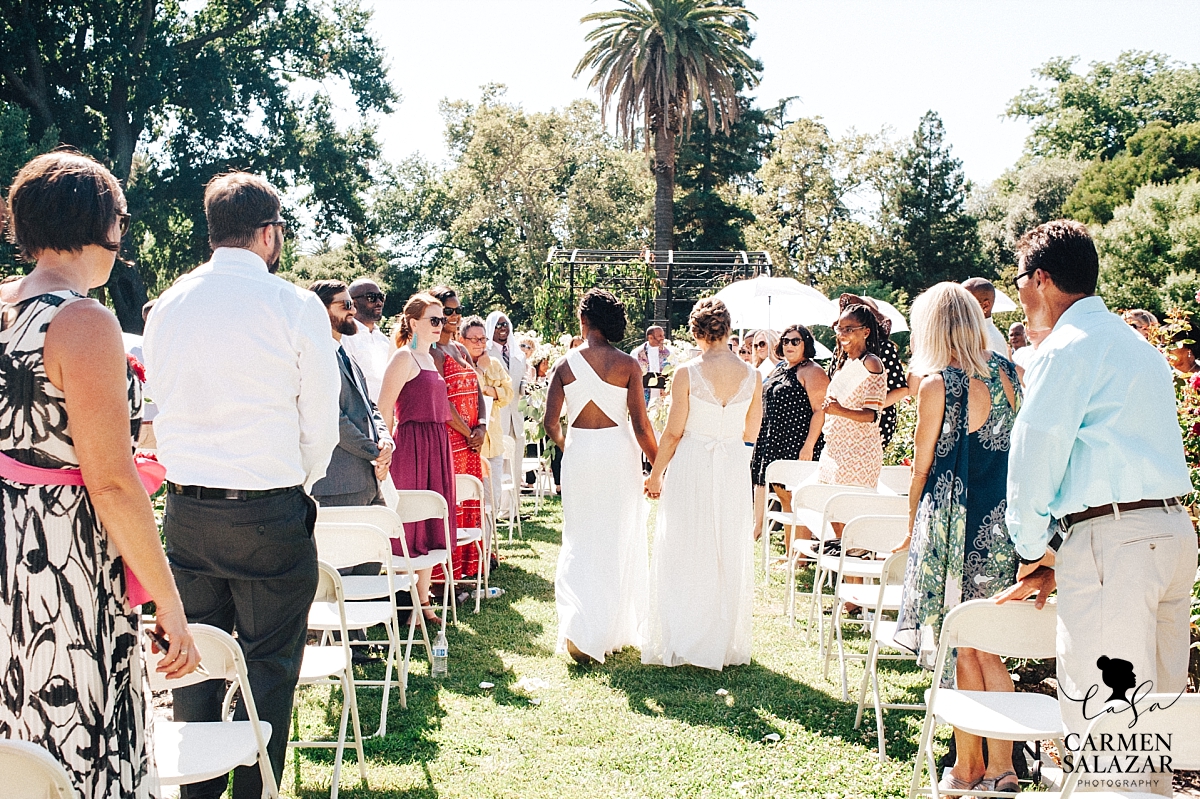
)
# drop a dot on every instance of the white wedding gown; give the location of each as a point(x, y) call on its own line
point(701, 576)
point(602, 584)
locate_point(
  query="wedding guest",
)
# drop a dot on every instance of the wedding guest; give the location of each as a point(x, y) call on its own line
point(853, 453)
point(653, 356)
point(744, 350)
point(985, 294)
point(1105, 456)
point(369, 348)
point(899, 384)
point(959, 548)
point(793, 398)
point(364, 451)
point(496, 383)
point(499, 330)
point(734, 342)
point(69, 640)
point(701, 578)
point(415, 407)
point(1181, 352)
point(528, 350)
point(1023, 357)
point(1016, 337)
point(465, 428)
point(602, 584)
point(247, 424)
point(1140, 320)
point(766, 342)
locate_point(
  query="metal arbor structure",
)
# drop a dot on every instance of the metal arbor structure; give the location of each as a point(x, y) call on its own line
point(680, 278)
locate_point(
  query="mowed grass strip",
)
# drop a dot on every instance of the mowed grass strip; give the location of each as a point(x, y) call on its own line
point(614, 730)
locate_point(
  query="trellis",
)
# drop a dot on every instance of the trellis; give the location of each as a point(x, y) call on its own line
point(669, 282)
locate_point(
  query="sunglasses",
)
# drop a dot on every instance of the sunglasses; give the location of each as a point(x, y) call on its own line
point(436, 321)
point(792, 342)
point(345, 305)
point(453, 311)
point(758, 344)
point(281, 224)
point(475, 339)
point(1017, 279)
point(123, 220)
point(371, 296)
point(526, 346)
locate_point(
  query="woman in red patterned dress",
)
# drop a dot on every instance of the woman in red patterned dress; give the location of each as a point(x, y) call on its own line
point(465, 428)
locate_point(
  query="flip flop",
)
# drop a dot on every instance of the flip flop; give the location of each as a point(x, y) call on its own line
point(952, 783)
point(1003, 783)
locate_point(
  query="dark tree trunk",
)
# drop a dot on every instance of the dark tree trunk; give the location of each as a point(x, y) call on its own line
point(664, 185)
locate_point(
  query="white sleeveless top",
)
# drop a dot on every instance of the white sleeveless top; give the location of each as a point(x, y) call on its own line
point(612, 400)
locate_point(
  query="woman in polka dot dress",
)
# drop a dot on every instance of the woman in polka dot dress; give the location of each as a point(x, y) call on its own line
point(793, 396)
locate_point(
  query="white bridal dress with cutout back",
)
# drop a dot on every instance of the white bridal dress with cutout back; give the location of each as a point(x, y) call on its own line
point(701, 575)
point(601, 587)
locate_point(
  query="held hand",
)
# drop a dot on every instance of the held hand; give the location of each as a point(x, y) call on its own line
point(1040, 582)
point(183, 657)
point(381, 471)
point(653, 486)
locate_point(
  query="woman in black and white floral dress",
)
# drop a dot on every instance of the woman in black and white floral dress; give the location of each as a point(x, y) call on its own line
point(73, 674)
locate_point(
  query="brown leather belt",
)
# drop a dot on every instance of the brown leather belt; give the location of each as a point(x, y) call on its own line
point(1072, 519)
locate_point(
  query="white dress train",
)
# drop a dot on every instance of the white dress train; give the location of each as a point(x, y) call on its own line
point(601, 587)
point(701, 575)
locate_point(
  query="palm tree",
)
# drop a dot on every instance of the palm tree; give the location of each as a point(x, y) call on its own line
point(653, 59)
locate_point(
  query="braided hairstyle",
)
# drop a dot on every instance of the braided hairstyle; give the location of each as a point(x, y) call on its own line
point(875, 336)
point(605, 312)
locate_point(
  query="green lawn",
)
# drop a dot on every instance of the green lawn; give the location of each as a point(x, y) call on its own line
point(617, 730)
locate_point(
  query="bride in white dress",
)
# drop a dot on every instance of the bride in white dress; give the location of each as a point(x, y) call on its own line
point(601, 587)
point(701, 575)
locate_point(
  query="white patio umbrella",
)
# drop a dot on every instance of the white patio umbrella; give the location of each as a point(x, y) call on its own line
point(775, 302)
point(1003, 303)
point(899, 323)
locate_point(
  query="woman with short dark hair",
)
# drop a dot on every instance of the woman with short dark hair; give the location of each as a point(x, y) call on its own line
point(69, 637)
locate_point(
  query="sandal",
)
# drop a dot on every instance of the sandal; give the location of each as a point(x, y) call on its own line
point(951, 783)
point(1004, 783)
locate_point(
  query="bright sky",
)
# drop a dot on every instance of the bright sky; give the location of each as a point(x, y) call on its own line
point(856, 63)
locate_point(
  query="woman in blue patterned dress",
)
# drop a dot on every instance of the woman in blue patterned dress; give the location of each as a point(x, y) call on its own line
point(959, 548)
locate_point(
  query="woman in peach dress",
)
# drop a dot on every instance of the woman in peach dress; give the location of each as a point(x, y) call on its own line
point(853, 453)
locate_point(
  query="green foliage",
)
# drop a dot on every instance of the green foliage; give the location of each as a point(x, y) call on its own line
point(170, 94)
point(802, 217)
point(1094, 115)
point(517, 184)
point(928, 234)
point(1030, 193)
point(1150, 251)
point(1158, 153)
point(655, 60)
point(16, 149)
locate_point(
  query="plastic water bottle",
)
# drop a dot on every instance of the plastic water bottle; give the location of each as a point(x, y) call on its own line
point(441, 656)
point(491, 593)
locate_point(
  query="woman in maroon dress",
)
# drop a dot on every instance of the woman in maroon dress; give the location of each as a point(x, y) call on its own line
point(415, 407)
point(465, 427)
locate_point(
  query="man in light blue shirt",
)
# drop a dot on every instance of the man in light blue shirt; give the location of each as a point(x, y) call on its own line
point(1097, 447)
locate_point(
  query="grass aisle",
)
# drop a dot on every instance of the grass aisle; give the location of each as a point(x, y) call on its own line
point(616, 730)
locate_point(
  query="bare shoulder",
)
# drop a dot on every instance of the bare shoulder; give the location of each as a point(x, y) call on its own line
point(86, 322)
point(561, 372)
point(873, 364)
point(932, 387)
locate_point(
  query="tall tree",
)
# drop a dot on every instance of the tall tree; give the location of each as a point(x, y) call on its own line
point(653, 60)
point(929, 236)
point(1093, 115)
point(169, 94)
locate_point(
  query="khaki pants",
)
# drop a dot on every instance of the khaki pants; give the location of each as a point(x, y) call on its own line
point(1124, 588)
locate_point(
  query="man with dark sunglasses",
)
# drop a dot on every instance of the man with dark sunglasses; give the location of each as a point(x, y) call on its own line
point(370, 348)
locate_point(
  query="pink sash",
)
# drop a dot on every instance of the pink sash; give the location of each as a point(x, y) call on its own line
point(151, 472)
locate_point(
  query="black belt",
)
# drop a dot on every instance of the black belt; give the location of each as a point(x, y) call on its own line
point(204, 492)
point(1072, 519)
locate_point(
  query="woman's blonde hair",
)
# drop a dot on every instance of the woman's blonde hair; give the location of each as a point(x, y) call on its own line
point(413, 309)
point(948, 325)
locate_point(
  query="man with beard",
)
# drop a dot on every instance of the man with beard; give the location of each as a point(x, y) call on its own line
point(364, 450)
point(246, 380)
point(370, 348)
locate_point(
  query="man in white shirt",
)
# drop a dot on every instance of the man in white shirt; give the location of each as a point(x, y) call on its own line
point(369, 348)
point(247, 382)
point(985, 294)
point(500, 345)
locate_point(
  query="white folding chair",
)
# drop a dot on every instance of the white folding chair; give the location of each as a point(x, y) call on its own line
point(192, 751)
point(370, 600)
point(468, 487)
point(1016, 630)
point(895, 479)
point(808, 509)
point(876, 535)
point(30, 772)
point(791, 474)
point(325, 664)
point(883, 634)
point(510, 488)
point(1176, 718)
